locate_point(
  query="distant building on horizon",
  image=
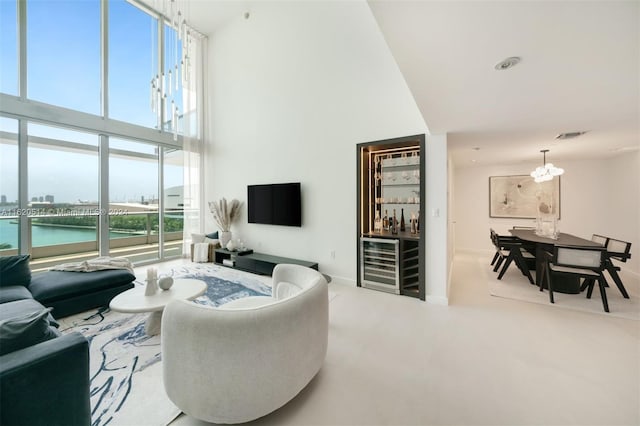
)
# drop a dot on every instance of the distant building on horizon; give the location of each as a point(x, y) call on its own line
point(48, 198)
point(3, 199)
point(174, 198)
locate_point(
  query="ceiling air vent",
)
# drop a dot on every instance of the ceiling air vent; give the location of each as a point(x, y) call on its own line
point(570, 135)
point(507, 63)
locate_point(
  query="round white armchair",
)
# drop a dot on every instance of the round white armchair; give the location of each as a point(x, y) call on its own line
point(245, 359)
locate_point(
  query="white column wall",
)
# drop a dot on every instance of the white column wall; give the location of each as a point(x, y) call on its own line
point(436, 218)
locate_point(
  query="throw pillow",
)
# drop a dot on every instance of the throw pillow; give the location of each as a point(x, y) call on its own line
point(14, 270)
point(197, 238)
point(213, 235)
point(25, 330)
point(215, 242)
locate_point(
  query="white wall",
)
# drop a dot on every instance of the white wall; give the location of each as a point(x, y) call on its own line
point(436, 217)
point(292, 90)
point(597, 197)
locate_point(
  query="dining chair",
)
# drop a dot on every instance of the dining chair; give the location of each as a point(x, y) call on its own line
point(621, 251)
point(600, 239)
point(509, 249)
point(496, 256)
point(501, 252)
point(581, 262)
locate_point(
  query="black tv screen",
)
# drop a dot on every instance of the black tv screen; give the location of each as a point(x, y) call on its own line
point(275, 204)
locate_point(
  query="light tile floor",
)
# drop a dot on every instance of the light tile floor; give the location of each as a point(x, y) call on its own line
point(480, 361)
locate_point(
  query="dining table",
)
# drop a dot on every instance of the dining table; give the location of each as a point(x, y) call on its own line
point(539, 246)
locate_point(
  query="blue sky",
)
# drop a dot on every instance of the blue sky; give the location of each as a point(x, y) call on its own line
point(63, 51)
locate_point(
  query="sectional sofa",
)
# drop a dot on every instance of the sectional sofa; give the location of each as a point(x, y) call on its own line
point(44, 375)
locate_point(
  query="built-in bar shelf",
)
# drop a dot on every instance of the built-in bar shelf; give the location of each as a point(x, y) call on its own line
point(391, 178)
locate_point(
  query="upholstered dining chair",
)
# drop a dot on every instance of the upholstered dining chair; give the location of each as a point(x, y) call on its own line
point(508, 250)
point(616, 249)
point(600, 239)
point(621, 251)
point(581, 262)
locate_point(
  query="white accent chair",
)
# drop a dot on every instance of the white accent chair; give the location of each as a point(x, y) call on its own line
point(249, 357)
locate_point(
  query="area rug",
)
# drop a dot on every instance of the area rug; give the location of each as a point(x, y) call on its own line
point(515, 286)
point(125, 368)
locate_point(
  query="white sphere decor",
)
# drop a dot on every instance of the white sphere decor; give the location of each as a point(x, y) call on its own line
point(165, 283)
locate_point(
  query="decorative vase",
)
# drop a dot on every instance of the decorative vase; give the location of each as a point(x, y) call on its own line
point(232, 245)
point(546, 214)
point(225, 237)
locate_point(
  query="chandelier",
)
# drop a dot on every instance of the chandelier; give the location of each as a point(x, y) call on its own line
point(165, 86)
point(547, 171)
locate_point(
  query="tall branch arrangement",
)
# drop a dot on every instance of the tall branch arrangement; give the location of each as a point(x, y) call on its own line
point(224, 214)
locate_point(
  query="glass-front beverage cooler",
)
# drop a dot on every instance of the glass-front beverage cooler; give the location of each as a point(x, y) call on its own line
point(380, 264)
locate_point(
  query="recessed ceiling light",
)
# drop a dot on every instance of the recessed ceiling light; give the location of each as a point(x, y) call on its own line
point(570, 135)
point(507, 63)
point(476, 148)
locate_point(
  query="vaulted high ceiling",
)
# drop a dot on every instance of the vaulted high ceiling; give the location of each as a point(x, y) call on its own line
point(579, 71)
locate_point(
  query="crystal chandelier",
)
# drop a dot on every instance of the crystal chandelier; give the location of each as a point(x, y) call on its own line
point(165, 87)
point(547, 171)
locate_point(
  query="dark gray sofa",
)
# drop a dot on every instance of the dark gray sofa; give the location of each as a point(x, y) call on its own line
point(44, 375)
point(66, 292)
point(47, 383)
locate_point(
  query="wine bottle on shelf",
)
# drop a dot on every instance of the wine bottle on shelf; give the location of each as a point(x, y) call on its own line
point(413, 221)
point(418, 224)
point(394, 223)
point(385, 221)
point(402, 224)
point(377, 223)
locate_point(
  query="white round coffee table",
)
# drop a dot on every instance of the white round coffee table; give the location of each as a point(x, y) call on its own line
point(135, 301)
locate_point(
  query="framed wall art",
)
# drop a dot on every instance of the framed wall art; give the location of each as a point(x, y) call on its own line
point(519, 197)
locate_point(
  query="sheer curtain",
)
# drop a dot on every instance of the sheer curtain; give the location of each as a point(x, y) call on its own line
point(193, 135)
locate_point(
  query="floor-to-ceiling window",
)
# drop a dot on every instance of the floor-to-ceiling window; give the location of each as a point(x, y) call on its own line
point(134, 202)
point(8, 186)
point(133, 62)
point(90, 151)
point(63, 53)
point(63, 183)
point(173, 219)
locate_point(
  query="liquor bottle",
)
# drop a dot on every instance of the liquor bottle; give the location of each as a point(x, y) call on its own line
point(377, 224)
point(418, 224)
point(402, 225)
point(394, 223)
point(385, 221)
point(413, 221)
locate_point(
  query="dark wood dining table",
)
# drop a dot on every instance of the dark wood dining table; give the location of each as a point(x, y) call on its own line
point(538, 245)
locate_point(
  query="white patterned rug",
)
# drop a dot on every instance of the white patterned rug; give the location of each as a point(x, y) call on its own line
point(125, 367)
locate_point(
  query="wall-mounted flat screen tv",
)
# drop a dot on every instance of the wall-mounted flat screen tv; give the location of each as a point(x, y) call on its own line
point(275, 204)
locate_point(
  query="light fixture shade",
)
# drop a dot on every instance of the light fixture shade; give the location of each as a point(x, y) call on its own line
point(547, 172)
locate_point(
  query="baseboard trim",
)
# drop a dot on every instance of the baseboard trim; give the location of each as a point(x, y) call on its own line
point(434, 300)
point(343, 281)
point(437, 300)
point(481, 252)
point(629, 271)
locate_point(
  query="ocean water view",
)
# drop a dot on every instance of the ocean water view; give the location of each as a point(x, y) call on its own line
point(51, 235)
